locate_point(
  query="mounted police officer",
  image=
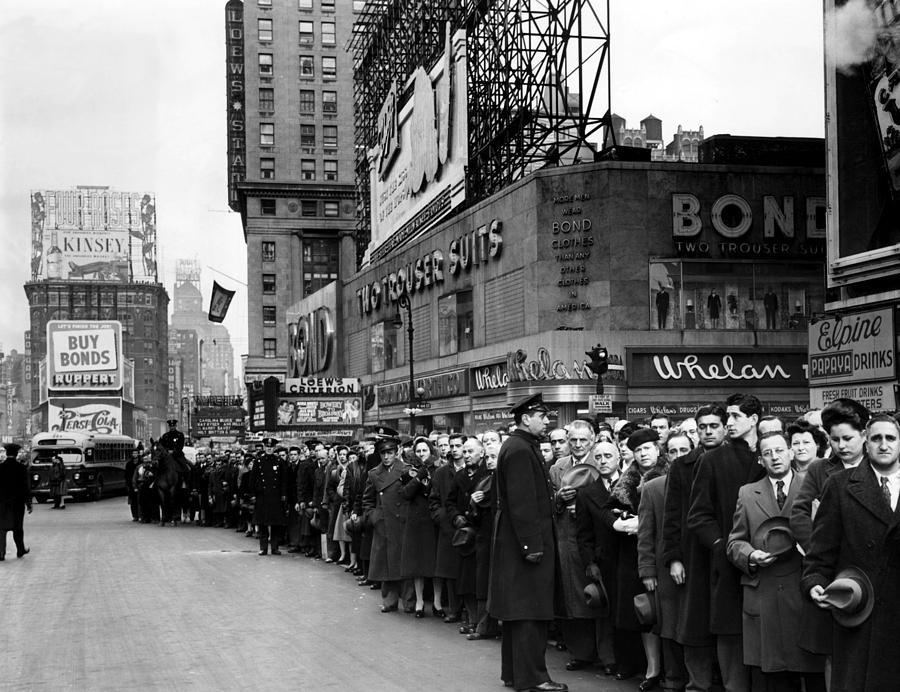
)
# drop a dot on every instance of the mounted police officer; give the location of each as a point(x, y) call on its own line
point(173, 440)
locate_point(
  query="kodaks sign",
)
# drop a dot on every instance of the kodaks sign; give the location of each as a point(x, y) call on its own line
point(790, 227)
point(854, 348)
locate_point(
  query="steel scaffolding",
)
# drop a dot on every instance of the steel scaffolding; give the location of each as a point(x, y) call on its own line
point(538, 82)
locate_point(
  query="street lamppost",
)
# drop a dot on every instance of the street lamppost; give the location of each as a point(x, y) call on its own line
point(414, 393)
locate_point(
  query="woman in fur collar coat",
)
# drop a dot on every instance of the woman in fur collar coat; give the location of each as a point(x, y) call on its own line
point(637, 645)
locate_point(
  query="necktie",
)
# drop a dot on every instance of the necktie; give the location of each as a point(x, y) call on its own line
point(886, 491)
point(779, 494)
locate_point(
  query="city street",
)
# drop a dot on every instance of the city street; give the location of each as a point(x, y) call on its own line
point(102, 603)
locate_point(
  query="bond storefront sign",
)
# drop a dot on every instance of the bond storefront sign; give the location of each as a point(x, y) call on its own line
point(82, 354)
point(85, 414)
point(731, 225)
point(747, 368)
point(855, 348)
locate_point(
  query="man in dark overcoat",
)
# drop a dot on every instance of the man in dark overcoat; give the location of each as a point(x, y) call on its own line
point(686, 558)
point(130, 467)
point(383, 507)
point(721, 473)
point(269, 485)
point(523, 562)
point(858, 525)
point(446, 558)
point(15, 498)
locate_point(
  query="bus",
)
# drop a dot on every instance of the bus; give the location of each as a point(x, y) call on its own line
point(95, 464)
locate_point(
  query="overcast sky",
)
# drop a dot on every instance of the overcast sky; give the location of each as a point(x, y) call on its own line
point(132, 95)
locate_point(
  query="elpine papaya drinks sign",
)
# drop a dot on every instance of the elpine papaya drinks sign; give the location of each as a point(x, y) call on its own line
point(859, 347)
point(84, 355)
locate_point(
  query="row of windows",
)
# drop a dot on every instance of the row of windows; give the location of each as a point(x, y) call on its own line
point(307, 66)
point(330, 209)
point(265, 32)
point(80, 299)
point(307, 166)
point(307, 101)
point(327, 5)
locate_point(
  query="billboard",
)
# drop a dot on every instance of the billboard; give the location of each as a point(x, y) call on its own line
point(101, 415)
point(853, 349)
point(93, 234)
point(863, 139)
point(218, 421)
point(417, 170)
point(84, 355)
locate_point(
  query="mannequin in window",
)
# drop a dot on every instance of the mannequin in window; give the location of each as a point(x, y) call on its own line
point(690, 317)
point(770, 303)
point(714, 308)
point(731, 301)
point(662, 307)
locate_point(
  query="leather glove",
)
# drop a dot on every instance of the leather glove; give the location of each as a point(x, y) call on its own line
point(592, 572)
point(459, 521)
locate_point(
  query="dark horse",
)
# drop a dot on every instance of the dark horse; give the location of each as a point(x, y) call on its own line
point(169, 481)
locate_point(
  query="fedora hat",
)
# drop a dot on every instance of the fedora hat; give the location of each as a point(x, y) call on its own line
point(579, 476)
point(595, 596)
point(851, 596)
point(774, 536)
point(484, 485)
point(463, 537)
point(645, 609)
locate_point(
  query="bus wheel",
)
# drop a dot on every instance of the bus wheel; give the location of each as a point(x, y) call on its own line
point(98, 490)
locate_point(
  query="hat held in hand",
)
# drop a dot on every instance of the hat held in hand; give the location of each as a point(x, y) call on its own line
point(774, 536)
point(851, 596)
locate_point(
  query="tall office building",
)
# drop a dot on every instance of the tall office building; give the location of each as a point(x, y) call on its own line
point(203, 347)
point(290, 157)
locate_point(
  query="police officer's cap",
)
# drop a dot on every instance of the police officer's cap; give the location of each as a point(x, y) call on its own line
point(386, 444)
point(311, 443)
point(12, 449)
point(172, 421)
point(269, 442)
point(530, 404)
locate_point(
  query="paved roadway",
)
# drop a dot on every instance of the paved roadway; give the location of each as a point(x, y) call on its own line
point(102, 603)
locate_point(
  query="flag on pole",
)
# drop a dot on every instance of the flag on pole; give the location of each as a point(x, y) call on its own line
point(218, 304)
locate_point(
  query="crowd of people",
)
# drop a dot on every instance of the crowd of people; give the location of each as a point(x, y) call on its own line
point(730, 549)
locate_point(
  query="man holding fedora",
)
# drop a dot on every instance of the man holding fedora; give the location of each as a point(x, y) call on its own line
point(523, 562)
point(858, 526)
point(763, 548)
point(15, 497)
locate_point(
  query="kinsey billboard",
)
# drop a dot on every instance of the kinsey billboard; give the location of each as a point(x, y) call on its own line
point(84, 355)
point(93, 234)
point(417, 171)
point(101, 415)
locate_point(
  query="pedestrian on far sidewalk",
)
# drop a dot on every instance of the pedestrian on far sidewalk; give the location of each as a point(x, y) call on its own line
point(15, 497)
point(58, 485)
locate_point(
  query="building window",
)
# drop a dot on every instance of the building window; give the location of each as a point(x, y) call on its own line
point(269, 348)
point(329, 102)
point(267, 169)
point(358, 5)
point(307, 66)
point(264, 29)
point(267, 134)
point(320, 264)
point(330, 136)
point(304, 4)
point(376, 347)
point(307, 169)
point(268, 314)
point(307, 37)
point(455, 323)
point(266, 66)
point(307, 102)
point(329, 66)
point(328, 5)
point(309, 208)
point(263, 3)
point(331, 173)
point(266, 99)
point(268, 251)
point(307, 135)
point(267, 207)
point(465, 320)
point(328, 38)
point(332, 209)
point(268, 284)
point(734, 295)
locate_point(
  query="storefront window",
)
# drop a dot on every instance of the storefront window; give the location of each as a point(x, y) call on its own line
point(734, 295)
point(376, 347)
point(447, 325)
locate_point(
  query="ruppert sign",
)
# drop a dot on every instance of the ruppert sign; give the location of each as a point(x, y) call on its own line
point(853, 348)
point(84, 355)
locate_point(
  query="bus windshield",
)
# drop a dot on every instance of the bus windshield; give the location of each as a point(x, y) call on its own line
point(71, 455)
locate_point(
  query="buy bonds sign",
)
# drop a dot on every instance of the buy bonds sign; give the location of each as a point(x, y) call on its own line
point(84, 354)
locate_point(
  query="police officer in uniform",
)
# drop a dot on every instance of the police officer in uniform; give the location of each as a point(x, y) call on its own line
point(269, 484)
point(173, 438)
